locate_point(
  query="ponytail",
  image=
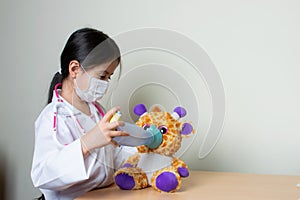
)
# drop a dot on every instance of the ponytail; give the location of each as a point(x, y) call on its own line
point(56, 79)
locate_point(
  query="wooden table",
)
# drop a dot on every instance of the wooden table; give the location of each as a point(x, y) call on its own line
point(213, 186)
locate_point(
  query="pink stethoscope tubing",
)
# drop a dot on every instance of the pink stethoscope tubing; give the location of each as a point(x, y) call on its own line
point(59, 100)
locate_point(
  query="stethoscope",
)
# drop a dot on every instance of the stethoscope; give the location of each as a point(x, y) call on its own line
point(59, 103)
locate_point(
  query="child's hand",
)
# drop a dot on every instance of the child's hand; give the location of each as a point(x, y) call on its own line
point(109, 128)
point(103, 133)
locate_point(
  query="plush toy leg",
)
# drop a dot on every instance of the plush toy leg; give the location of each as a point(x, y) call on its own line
point(166, 180)
point(131, 179)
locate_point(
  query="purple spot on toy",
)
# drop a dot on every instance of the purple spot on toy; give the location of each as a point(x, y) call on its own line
point(166, 181)
point(139, 109)
point(183, 171)
point(186, 129)
point(180, 111)
point(127, 165)
point(124, 181)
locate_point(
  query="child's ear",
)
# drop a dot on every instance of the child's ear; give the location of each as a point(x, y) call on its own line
point(186, 129)
point(74, 68)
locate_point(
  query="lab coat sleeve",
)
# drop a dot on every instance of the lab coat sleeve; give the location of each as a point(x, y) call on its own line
point(55, 166)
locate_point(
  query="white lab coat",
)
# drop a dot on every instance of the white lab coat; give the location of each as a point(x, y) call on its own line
point(59, 169)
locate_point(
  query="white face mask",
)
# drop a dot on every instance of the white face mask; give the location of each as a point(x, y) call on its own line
point(95, 91)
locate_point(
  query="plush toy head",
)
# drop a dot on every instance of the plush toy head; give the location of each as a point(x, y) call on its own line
point(169, 125)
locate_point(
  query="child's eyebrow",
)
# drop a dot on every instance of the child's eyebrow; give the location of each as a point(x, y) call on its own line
point(109, 73)
point(106, 72)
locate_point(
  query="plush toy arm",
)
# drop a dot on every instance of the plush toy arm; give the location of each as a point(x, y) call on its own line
point(132, 161)
point(181, 167)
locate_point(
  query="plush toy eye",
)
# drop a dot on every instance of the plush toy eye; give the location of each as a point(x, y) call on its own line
point(163, 129)
point(146, 126)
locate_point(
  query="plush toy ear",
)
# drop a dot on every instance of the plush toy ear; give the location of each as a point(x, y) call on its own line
point(186, 129)
point(139, 109)
point(179, 112)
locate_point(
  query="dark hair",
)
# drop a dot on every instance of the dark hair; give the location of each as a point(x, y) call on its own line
point(90, 48)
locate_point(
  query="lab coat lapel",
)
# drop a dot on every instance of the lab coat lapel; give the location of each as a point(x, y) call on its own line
point(87, 122)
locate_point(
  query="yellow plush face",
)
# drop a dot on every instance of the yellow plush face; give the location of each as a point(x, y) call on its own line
point(170, 129)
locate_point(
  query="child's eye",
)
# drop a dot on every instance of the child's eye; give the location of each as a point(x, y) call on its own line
point(104, 77)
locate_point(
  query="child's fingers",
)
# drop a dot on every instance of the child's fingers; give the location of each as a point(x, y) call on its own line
point(114, 125)
point(110, 113)
point(118, 133)
point(114, 143)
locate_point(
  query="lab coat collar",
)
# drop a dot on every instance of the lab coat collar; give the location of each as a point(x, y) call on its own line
point(75, 111)
point(63, 103)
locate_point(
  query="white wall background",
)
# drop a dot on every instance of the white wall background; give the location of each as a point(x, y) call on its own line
point(255, 46)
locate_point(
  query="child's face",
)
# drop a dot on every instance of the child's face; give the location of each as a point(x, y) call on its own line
point(102, 72)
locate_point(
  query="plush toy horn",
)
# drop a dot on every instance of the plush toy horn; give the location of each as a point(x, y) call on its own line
point(179, 112)
point(139, 109)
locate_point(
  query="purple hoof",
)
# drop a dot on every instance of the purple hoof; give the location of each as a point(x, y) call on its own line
point(124, 181)
point(166, 181)
point(183, 171)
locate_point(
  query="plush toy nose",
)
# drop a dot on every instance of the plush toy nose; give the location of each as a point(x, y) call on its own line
point(156, 137)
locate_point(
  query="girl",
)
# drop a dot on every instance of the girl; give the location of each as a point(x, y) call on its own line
point(73, 150)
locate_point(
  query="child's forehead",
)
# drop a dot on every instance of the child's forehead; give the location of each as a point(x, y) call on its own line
point(107, 68)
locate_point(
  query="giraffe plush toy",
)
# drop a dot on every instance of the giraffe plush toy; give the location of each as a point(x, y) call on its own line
point(156, 167)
